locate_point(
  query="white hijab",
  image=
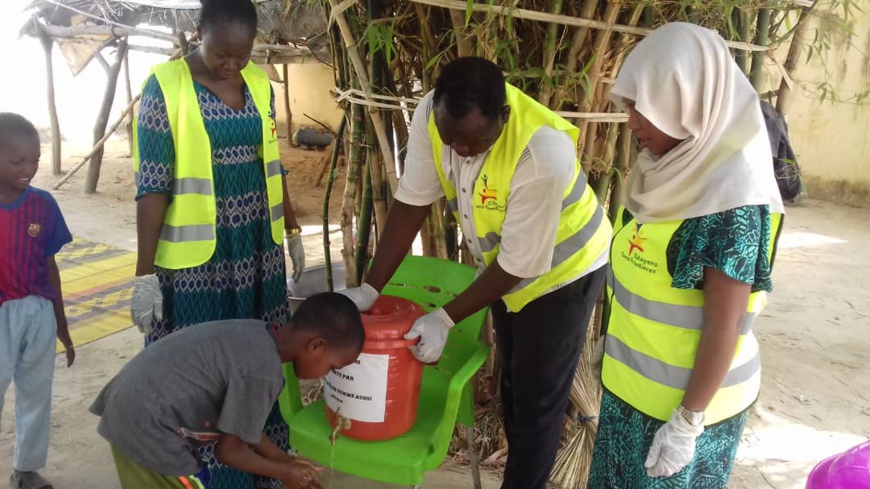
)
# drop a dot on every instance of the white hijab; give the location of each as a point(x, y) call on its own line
point(684, 81)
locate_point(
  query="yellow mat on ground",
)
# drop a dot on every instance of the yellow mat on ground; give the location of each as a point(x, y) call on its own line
point(97, 282)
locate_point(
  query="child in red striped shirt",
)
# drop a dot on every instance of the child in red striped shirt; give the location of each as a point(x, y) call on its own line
point(31, 303)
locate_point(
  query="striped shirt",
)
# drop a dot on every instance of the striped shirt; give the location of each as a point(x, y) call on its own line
point(33, 230)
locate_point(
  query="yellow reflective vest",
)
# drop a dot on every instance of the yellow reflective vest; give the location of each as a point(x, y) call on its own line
point(654, 329)
point(188, 237)
point(583, 233)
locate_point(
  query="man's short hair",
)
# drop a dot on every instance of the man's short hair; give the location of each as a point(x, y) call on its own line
point(469, 82)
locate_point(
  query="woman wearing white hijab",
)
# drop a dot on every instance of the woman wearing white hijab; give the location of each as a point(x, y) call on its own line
point(689, 267)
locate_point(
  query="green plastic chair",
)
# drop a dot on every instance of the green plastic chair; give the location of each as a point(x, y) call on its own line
point(446, 393)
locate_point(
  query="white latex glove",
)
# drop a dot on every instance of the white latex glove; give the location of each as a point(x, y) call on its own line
point(147, 302)
point(363, 296)
point(673, 447)
point(297, 255)
point(432, 329)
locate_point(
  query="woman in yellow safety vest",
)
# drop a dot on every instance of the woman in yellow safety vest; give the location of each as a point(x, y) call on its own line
point(212, 206)
point(689, 267)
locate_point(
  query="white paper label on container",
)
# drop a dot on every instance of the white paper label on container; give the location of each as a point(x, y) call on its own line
point(359, 391)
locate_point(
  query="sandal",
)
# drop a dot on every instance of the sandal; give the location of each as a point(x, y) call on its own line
point(28, 480)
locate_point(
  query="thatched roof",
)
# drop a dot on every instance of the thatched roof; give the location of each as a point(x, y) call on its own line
point(303, 24)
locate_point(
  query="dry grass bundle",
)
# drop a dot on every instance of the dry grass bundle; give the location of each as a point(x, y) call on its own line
point(575, 458)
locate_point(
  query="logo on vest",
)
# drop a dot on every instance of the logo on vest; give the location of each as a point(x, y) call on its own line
point(489, 197)
point(272, 127)
point(635, 242)
point(487, 193)
point(635, 253)
point(33, 229)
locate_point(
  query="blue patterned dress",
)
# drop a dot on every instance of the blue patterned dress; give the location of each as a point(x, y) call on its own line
point(245, 278)
point(736, 242)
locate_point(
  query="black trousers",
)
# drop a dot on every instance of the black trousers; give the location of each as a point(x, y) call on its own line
point(539, 348)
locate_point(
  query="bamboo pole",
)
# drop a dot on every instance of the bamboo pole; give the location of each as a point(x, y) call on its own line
point(99, 143)
point(327, 254)
point(103, 118)
point(602, 43)
point(289, 114)
point(743, 25)
point(56, 148)
point(129, 89)
point(762, 35)
point(350, 192)
point(362, 73)
point(518, 13)
point(801, 30)
point(579, 40)
point(463, 39)
point(106, 30)
point(364, 221)
point(549, 55)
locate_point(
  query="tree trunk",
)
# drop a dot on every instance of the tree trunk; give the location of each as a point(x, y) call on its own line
point(103, 118)
point(129, 88)
point(289, 114)
point(47, 46)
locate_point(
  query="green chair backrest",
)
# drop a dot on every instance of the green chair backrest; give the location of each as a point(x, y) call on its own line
point(431, 282)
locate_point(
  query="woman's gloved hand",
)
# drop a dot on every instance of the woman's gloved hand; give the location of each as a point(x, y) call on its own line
point(293, 244)
point(146, 305)
point(673, 447)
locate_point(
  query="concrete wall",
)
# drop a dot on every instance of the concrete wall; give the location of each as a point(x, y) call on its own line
point(311, 86)
point(831, 139)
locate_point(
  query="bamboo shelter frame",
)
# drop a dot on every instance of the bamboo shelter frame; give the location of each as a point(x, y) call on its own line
point(571, 53)
point(103, 33)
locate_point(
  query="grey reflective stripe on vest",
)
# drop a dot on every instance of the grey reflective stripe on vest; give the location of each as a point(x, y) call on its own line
point(273, 168)
point(489, 242)
point(277, 211)
point(190, 185)
point(576, 193)
point(571, 245)
point(669, 375)
point(181, 234)
point(453, 205)
point(679, 316)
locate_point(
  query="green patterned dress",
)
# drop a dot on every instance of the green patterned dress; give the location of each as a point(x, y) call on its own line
point(245, 278)
point(736, 242)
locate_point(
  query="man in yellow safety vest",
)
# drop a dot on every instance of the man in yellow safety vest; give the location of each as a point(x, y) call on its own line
point(508, 168)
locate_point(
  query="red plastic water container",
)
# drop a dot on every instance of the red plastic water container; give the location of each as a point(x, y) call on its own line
point(379, 393)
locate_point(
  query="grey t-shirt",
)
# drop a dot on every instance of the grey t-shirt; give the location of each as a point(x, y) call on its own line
point(189, 387)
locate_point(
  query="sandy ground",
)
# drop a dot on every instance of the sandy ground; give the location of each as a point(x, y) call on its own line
point(815, 337)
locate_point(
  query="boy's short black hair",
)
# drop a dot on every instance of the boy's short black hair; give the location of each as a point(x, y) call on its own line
point(216, 12)
point(333, 317)
point(15, 126)
point(469, 82)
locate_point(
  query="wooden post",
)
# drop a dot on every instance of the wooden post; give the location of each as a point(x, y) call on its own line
point(129, 125)
point(47, 46)
point(103, 118)
point(99, 144)
point(287, 103)
point(784, 94)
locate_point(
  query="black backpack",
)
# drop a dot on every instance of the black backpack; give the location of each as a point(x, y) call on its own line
point(785, 165)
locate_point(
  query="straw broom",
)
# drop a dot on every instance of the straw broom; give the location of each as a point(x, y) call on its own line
point(571, 469)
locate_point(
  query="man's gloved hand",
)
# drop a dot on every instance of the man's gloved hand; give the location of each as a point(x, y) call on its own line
point(293, 243)
point(673, 447)
point(146, 305)
point(363, 296)
point(432, 329)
